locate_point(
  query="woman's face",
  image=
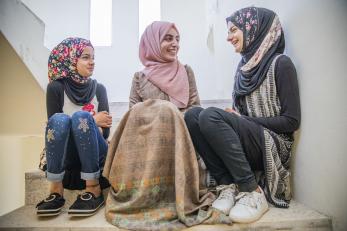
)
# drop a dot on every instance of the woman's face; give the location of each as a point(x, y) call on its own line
point(170, 45)
point(85, 63)
point(235, 37)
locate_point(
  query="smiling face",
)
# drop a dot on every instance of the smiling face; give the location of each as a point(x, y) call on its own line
point(170, 45)
point(235, 37)
point(85, 63)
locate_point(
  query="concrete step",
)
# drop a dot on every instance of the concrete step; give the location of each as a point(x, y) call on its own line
point(297, 217)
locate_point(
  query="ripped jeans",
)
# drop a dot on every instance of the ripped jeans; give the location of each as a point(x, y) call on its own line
point(90, 145)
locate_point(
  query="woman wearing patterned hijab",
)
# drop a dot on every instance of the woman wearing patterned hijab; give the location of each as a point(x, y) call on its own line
point(151, 162)
point(247, 148)
point(77, 129)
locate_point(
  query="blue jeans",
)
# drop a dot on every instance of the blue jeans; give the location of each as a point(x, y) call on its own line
point(90, 145)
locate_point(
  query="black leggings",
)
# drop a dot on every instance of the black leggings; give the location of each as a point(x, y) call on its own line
point(230, 145)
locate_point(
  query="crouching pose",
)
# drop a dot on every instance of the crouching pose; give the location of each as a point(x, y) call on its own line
point(77, 129)
point(247, 148)
point(151, 162)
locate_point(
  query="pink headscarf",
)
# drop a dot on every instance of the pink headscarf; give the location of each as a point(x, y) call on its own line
point(170, 77)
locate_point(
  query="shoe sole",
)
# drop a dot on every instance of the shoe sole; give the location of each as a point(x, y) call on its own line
point(226, 212)
point(84, 213)
point(48, 213)
point(245, 221)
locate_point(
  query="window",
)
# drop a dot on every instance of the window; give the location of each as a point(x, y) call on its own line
point(101, 22)
point(149, 11)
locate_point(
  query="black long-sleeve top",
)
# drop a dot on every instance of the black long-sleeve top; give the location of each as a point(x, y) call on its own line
point(288, 92)
point(55, 100)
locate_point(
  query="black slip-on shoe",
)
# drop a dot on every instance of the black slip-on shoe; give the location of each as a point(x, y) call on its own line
point(86, 204)
point(51, 206)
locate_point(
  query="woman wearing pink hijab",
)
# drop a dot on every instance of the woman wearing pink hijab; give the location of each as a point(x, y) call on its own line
point(163, 77)
point(151, 162)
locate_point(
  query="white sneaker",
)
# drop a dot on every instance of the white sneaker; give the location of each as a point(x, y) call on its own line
point(249, 207)
point(226, 198)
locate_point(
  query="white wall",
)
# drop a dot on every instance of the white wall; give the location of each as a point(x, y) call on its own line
point(25, 33)
point(62, 19)
point(315, 34)
point(318, 46)
point(213, 68)
point(21, 139)
point(115, 65)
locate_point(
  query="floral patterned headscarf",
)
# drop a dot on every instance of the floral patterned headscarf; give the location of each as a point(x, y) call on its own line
point(62, 65)
point(63, 59)
point(246, 20)
point(263, 39)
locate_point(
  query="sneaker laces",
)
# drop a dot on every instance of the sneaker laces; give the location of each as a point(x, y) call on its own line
point(247, 199)
point(224, 193)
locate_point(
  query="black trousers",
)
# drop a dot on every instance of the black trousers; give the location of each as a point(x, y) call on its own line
point(231, 146)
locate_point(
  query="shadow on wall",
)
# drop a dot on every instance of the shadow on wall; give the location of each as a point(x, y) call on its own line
point(21, 126)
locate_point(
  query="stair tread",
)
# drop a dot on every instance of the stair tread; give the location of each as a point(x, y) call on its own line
point(297, 216)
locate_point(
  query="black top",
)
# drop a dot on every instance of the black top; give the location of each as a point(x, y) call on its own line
point(288, 92)
point(55, 100)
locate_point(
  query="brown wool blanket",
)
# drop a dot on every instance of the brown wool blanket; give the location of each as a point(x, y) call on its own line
point(153, 171)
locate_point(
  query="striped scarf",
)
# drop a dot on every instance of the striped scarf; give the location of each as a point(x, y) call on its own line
point(264, 102)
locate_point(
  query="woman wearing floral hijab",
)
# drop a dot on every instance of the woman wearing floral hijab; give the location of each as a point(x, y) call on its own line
point(77, 129)
point(151, 162)
point(256, 135)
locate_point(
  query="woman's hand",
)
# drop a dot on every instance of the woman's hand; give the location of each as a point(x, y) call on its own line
point(230, 110)
point(103, 119)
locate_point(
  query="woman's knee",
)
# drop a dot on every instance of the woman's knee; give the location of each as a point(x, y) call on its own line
point(81, 120)
point(60, 120)
point(58, 125)
point(191, 116)
point(77, 117)
point(211, 114)
point(81, 114)
point(209, 118)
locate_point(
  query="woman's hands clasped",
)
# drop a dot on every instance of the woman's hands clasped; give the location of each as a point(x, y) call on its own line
point(103, 119)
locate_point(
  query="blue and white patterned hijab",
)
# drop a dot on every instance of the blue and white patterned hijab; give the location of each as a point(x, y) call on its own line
point(262, 39)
